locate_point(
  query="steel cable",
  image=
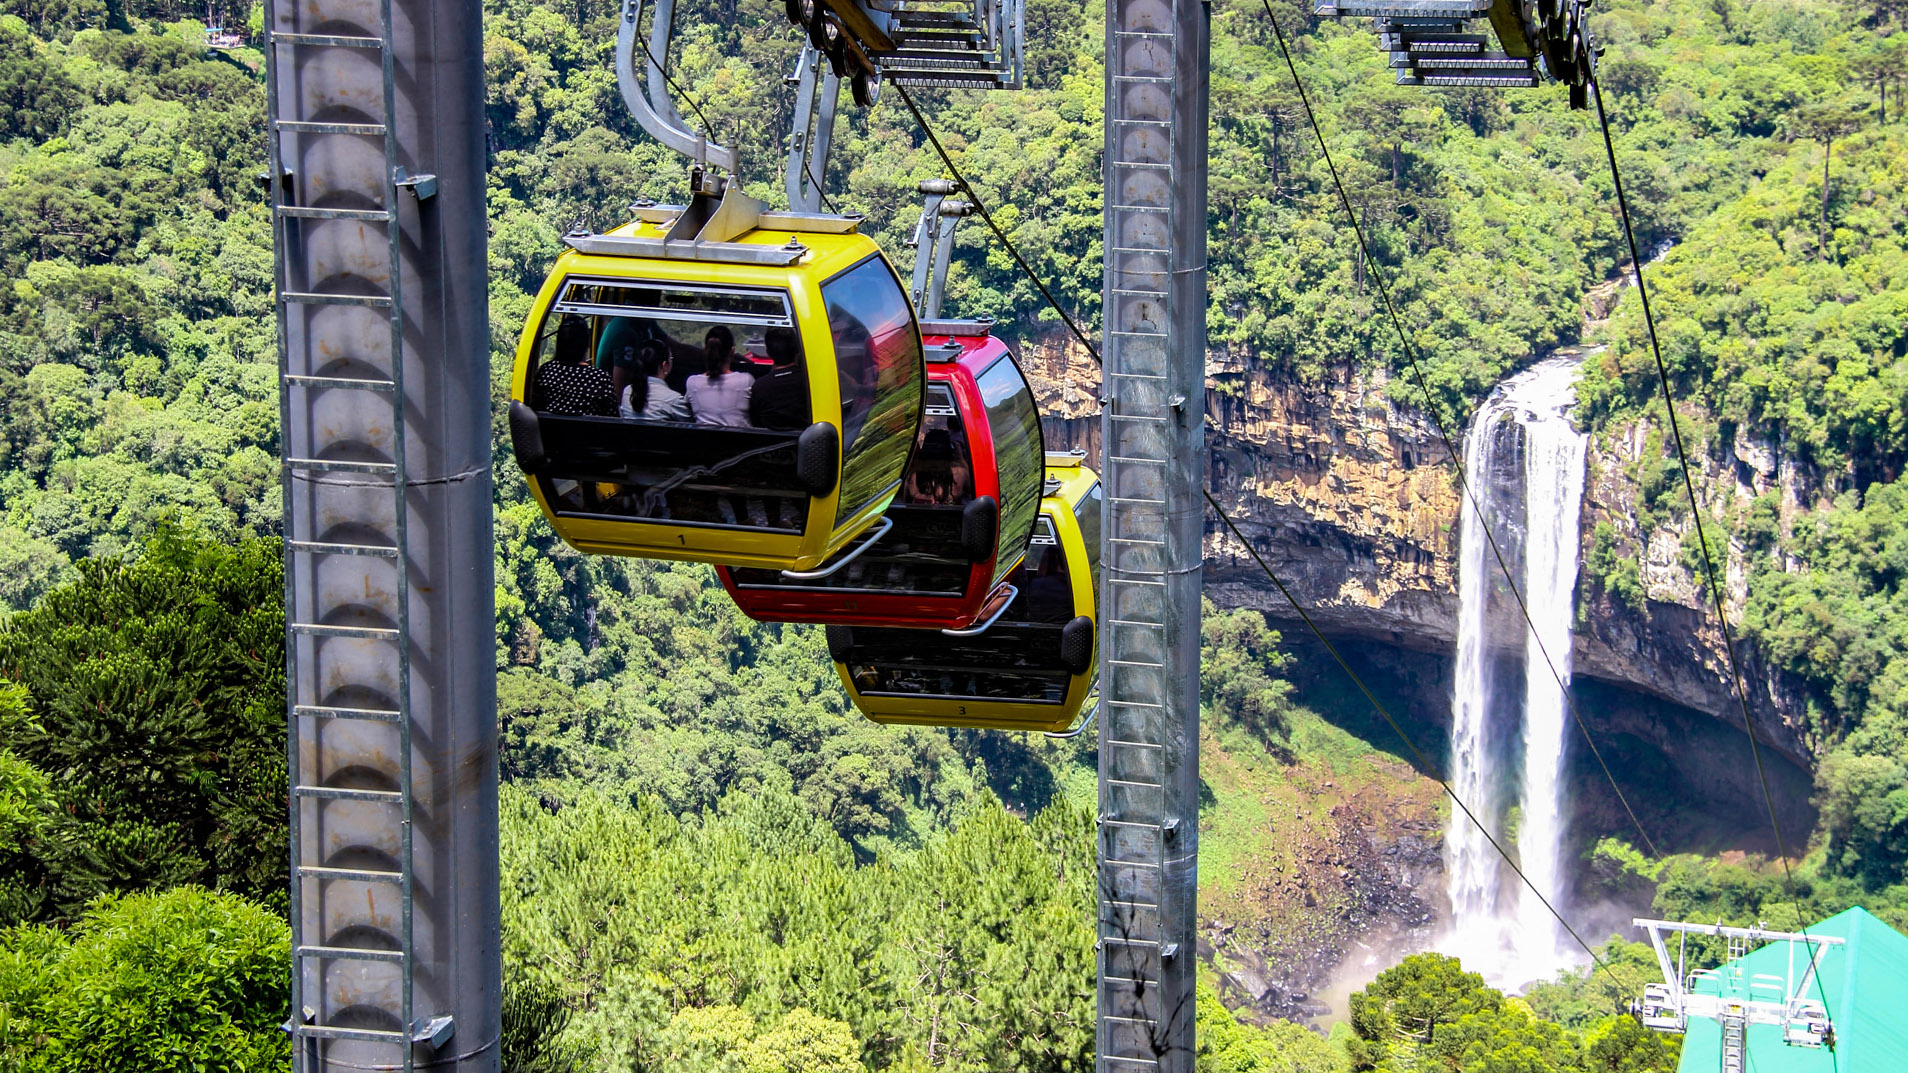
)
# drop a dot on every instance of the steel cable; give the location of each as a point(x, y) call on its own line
point(1696, 516)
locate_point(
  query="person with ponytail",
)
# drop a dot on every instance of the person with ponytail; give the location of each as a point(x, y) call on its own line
point(720, 396)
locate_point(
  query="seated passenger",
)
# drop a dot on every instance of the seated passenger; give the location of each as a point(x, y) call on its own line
point(664, 402)
point(779, 399)
point(568, 385)
point(1049, 593)
point(720, 397)
point(960, 475)
point(931, 476)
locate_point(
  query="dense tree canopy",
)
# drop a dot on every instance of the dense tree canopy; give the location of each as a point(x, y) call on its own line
point(149, 698)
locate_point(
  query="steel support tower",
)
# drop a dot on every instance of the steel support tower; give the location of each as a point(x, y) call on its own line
point(377, 193)
point(1152, 455)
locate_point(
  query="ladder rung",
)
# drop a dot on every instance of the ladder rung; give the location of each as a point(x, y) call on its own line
point(302, 212)
point(363, 875)
point(326, 711)
point(1132, 823)
point(348, 953)
point(328, 465)
point(368, 1035)
point(1130, 905)
point(1149, 1063)
point(299, 126)
point(328, 40)
point(1128, 1020)
point(320, 547)
point(314, 629)
point(1117, 940)
point(375, 301)
point(1136, 745)
point(1137, 663)
point(351, 382)
point(346, 793)
point(1141, 785)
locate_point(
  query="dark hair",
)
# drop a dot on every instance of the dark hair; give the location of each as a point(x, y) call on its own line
point(653, 356)
point(573, 340)
point(719, 359)
point(783, 345)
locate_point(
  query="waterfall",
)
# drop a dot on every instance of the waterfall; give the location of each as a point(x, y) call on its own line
point(1525, 463)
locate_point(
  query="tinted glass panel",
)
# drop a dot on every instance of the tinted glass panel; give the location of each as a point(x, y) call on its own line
point(676, 301)
point(636, 429)
point(1017, 659)
point(1015, 422)
point(1010, 662)
point(1087, 512)
point(878, 358)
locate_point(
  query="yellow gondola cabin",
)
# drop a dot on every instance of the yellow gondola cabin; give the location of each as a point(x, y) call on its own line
point(1033, 669)
point(752, 401)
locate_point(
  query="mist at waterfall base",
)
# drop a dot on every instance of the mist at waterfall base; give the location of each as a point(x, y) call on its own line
point(1524, 461)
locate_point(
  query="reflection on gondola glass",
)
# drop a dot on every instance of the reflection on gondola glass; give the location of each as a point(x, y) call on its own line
point(1087, 513)
point(642, 342)
point(1018, 445)
point(878, 358)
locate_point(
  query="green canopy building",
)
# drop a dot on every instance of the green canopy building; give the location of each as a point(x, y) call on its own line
point(1863, 983)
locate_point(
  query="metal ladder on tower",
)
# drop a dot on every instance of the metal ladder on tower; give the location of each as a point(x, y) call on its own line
point(1732, 1039)
point(1143, 843)
point(360, 940)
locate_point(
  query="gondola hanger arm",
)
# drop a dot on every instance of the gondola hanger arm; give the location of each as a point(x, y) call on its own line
point(648, 99)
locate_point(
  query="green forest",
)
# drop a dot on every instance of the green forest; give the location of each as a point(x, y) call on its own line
point(861, 897)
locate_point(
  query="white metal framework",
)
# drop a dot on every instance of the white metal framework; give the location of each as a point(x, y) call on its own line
point(1730, 996)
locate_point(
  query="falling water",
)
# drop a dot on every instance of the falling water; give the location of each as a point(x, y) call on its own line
point(1525, 463)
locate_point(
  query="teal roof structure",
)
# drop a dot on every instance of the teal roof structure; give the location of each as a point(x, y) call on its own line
point(1864, 984)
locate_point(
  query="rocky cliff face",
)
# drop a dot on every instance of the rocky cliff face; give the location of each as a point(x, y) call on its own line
point(1354, 500)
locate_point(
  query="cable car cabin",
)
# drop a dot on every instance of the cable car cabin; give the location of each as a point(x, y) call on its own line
point(751, 402)
point(959, 527)
point(1032, 669)
point(1659, 1009)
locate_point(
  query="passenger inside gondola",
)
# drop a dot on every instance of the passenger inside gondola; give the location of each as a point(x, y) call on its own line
point(1046, 594)
point(663, 402)
point(570, 385)
point(720, 396)
point(780, 397)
